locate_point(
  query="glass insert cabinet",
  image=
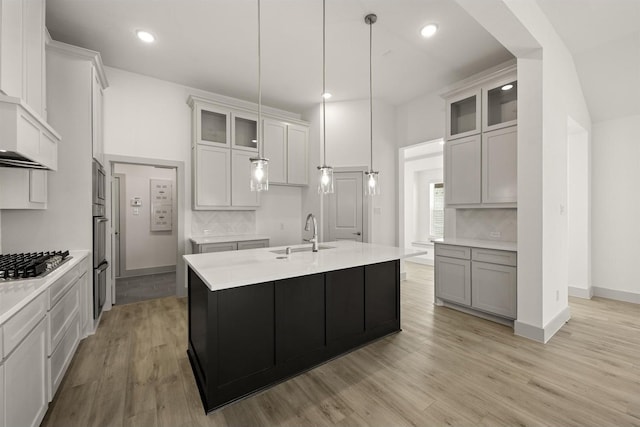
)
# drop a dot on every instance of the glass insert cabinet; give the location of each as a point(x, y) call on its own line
point(223, 128)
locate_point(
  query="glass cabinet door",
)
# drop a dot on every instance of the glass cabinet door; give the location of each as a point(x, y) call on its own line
point(463, 115)
point(213, 126)
point(245, 131)
point(501, 104)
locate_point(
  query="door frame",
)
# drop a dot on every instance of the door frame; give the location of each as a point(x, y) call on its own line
point(109, 161)
point(121, 253)
point(367, 208)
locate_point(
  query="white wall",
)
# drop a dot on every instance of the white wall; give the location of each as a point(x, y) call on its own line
point(150, 118)
point(279, 215)
point(579, 210)
point(616, 207)
point(145, 249)
point(348, 145)
point(421, 119)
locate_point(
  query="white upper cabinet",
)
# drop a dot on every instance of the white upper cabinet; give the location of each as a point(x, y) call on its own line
point(481, 162)
point(275, 149)
point(286, 146)
point(297, 156)
point(97, 117)
point(23, 188)
point(500, 103)
point(499, 166)
point(462, 173)
point(241, 194)
point(212, 177)
point(245, 131)
point(463, 114)
point(213, 125)
point(224, 139)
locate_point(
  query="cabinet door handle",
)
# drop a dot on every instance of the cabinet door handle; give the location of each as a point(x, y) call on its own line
point(358, 233)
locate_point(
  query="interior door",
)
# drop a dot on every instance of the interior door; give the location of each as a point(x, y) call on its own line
point(345, 207)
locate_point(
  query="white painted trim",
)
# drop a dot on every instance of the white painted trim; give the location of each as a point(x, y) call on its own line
point(83, 53)
point(403, 276)
point(528, 331)
point(586, 293)
point(542, 335)
point(624, 296)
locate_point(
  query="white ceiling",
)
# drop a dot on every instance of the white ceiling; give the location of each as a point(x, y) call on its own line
point(212, 45)
point(604, 39)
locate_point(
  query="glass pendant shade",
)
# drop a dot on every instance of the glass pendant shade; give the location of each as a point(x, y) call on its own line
point(325, 179)
point(372, 185)
point(259, 174)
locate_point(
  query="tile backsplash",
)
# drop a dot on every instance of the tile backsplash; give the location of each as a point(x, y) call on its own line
point(485, 223)
point(222, 223)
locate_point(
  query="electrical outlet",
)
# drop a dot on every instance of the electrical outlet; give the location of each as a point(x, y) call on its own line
point(377, 211)
point(495, 234)
point(557, 295)
point(136, 211)
point(282, 226)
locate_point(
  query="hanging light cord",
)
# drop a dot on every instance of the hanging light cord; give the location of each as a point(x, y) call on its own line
point(324, 89)
point(259, 127)
point(371, 90)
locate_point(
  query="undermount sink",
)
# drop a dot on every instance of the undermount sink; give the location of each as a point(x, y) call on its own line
point(305, 249)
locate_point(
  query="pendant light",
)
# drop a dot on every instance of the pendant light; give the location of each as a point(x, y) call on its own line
point(325, 183)
point(372, 187)
point(259, 165)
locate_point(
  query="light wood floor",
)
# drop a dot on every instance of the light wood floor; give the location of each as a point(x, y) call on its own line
point(444, 368)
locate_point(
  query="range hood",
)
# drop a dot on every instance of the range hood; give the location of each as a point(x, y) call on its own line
point(26, 140)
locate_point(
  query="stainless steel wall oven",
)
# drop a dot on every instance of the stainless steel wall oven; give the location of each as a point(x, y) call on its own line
point(100, 233)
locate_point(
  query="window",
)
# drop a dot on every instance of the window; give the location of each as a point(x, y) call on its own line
point(436, 209)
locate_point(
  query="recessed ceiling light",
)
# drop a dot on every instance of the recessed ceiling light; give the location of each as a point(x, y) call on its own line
point(429, 30)
point(145, 36)
point(507, 87)
point(326, 95)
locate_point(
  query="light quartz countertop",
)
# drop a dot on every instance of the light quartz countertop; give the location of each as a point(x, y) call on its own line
point(477, 243)
point(15, 294)
point(232, 269)
point(203, 240)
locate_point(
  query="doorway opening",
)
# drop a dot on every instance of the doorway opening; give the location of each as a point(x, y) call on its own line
point(421, 197)
point(145, 229)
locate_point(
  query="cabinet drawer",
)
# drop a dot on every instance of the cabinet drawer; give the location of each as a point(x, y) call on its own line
point(495, 257)
point(461, 252)
point(253, 244)
point(61, 316)
point(218, 247)
point(19, 325)
point(60, 286)
point(62, 355)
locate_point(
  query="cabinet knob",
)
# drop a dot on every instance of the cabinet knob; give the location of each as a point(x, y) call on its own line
point(358, 233)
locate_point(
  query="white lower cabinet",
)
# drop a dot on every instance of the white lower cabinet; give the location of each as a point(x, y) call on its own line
point(60, 358)
point(453, 279)
point(481, 279)
point(2, 411)
point(494, 288)
point(203, 248)
point(26, 375)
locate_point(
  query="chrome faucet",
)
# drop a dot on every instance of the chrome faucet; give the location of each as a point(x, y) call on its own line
point(314, 239)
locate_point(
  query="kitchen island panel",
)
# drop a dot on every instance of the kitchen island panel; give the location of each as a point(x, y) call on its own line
point(382, 297)
point(300, 317)
point(246, 336)
point(345, 305)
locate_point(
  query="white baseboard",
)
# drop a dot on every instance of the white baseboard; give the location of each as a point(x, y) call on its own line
point(616, 295)
point(581, 292)
point(542, 335)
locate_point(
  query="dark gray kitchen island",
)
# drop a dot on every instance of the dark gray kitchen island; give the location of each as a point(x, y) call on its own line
point(256, 318)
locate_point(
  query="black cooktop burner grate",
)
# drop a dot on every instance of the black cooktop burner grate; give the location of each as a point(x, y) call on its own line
point(30, 265)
